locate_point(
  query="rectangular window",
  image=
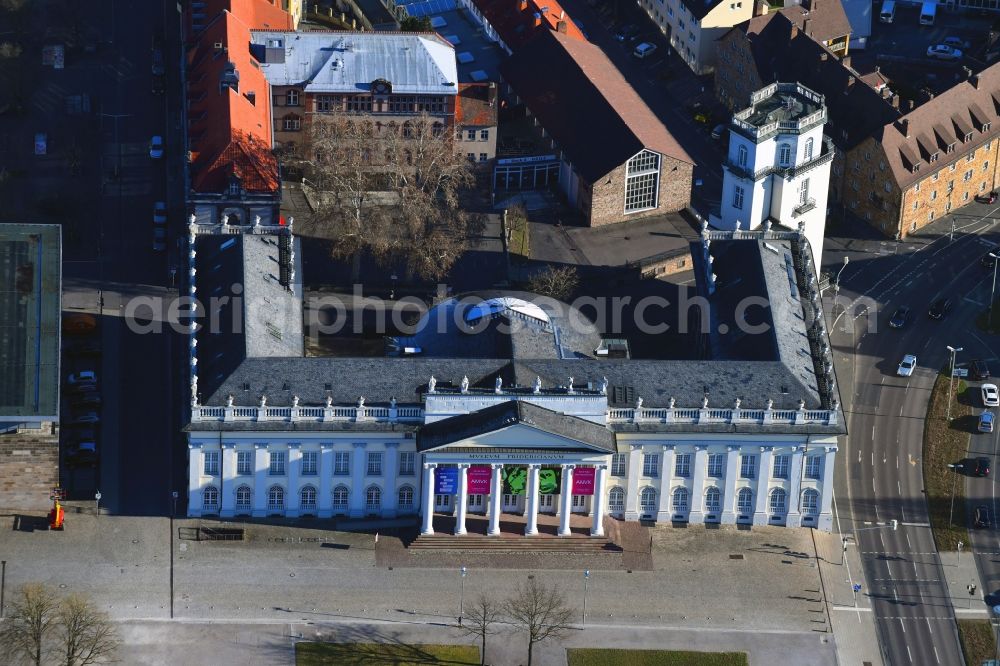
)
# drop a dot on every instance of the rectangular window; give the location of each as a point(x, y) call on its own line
point(483, 157)
point(651, 464)
point(309, 462)
point(342, 463)
point(738, 197)
point(406, 463)
point(325, 102)
point(470, 135)
point(804, 191)
point(741, 156)
point(359, 104)
point(716, 464)
point(682, 465)
point(277, 465)
point(887, 186)
point(748, 466)
point(244, 462)
point(292, 98)
point(780, 467)
point(986, 166)
point(484, 135)
point(374, 463)
point(971, 156)
point(618, 464)
point(916, 188)
point(211, 462)
point(967, 176)
point(292, 124)
point(933, 195)
point(814, 465)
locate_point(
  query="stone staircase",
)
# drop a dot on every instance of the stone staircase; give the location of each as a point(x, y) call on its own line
point(515, 543)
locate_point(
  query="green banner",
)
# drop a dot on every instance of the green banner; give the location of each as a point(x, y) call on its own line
point(548, 480)
point(515, 480)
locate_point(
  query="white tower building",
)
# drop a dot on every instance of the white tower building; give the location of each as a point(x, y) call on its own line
point(778, 165)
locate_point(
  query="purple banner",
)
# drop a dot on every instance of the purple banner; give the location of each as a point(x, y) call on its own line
point(478, 478)
point(583, 480)
point(446, 480)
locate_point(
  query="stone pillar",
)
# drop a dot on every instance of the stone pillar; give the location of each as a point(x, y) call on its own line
point(496, 497)
point(566, 500)
point(760, 514)
point(666, 476)
point(359, 465)
point(462, 501)
point(600, 500)
point(729, 496)
point(794, 517)
point(260, 469)
point(324, 503)
point(196, 463)
point(531, 513)
point(632, 470)
point(825, 521)
point(427, 506)
point(292, 492)
point(699, 469)
point(390, 497)
point(227, 487)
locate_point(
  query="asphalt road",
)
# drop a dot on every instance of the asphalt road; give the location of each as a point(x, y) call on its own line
point(879, 477)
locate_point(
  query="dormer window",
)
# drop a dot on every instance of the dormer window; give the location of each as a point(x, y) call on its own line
point(916, 168)
point(968, 137)
point(235, 187)
point(951, 148)
point(933, 158)
point(986, 127)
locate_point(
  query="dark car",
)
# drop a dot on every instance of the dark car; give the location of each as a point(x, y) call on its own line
point(940, 308)
point(988, 198)
point(158, 67)
point(982, 517)
point(981, 467)
point(627, 33)
point(157, 84)
point(900, 317)
point(979, 370)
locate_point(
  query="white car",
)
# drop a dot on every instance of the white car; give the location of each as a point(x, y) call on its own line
point(156, 147)
point(85, 377)
point(991, 397)
point(644, 50)
point(907, 366)
point(943, 52)
point(160, 212)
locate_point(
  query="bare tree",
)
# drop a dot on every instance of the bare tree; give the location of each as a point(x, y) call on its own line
point(480, 621)
point(86, 635)
point(541, 611)
point(518, 239)
point(558, 283)
point(24, 632)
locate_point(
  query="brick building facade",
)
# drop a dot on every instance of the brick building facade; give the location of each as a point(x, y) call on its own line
point(29, 467)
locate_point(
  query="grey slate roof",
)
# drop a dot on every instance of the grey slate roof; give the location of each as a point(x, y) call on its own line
point(511, 413)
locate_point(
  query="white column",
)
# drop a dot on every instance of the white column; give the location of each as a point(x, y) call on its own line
point(496, 495)
point(729, 496)
point(292, 491)
point(566, 500)
point(794, 517)
point(427, 507)
point(698, 470)
point(324, 503)
point(764, 461)
point(600, 500)
point(666, 476)
point(531, 513)
point(463, 498)
point(196, 463)
point(826, 492)
point(261, 462)
point(227, 489)
point(359, 466)
point(390, 497)
point(632, 470)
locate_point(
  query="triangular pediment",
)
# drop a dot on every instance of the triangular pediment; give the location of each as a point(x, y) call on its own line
point(520, 436)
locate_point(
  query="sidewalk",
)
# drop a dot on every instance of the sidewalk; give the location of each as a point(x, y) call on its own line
point(960, 572)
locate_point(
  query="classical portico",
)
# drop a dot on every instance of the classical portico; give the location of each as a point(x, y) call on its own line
point(512, 449)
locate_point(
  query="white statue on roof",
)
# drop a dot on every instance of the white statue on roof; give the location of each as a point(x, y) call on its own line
point(498, 385)
point(464, 386)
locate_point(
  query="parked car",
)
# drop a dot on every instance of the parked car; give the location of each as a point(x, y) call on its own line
point(978, 369)
point(988, 198)
point(158, 67)
point(991, 397)
point(986, 421)
point(159, 239)
point(86, 417)
point(981, 518)
point(981, 467)
point(956, 42)
point(943, 52)
point(83, 454)
point(80, 389)
point(899, 317)
point(718, 131)
point(41, 143)
point(699, 113)
point(907, 366)
point(160, 212)
point(156, 147)
point(644, 50)
point(627, 32)
point(86, 400)
point(940, 308)
point(84, 377)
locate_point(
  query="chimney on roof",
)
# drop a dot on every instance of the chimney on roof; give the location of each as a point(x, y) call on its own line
point(846, 61)
point(806, 26)
point(562, 14)
point(793, 32)
point(823, 56)
point(561, 26)
point(522, 5)
point(850, 83)
point(492, 94)
point(538, 19)
point(910, 105)
point(895, 101)
point(761, 8)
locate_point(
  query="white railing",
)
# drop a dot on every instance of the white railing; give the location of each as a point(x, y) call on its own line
point(737, 416)
point(307, 414)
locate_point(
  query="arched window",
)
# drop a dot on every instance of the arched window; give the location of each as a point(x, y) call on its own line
point(807, 154)
point(210, 498)
point(642, 181)
point(810, 502)
point(647, 500)
point(275, 498)
point(713, 500)
point(406, 498)
point(744, 501)
point(778, 502)
point(341, 496)
point(784, 154)
point(616, 499)
point(680, 499)
point(307, 498)
point(244, 499)
point(373, 498)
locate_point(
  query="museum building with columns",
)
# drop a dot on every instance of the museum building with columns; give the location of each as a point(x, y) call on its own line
point(504, 402)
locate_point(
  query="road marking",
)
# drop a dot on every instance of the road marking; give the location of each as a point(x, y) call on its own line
point(897, 462)
point(851, 608)
point(908, 545)
point(873, 485)
point(899, 488)
point(908, 652)
point(936, 657)
point(915, 524)
point(873, 437)
point(873, 458)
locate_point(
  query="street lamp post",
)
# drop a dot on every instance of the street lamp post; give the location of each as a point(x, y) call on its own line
point(461, 599)
point(951, 379)
point(955, 467)
point(958, 560)
point(586, 579)
point(836, 281)
point(174, 496)
point(97, 501)
point(993, 292)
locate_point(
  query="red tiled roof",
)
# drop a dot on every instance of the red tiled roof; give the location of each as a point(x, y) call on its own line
point(475, 105)
point(257, 14)
point(517, 21)
point(230, 131)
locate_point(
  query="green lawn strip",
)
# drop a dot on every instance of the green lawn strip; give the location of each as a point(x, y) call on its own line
point(946, 444)
point(520, 241)
point(621, 657)
point(390, 654)
point(978, 641)
point(983, 323)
